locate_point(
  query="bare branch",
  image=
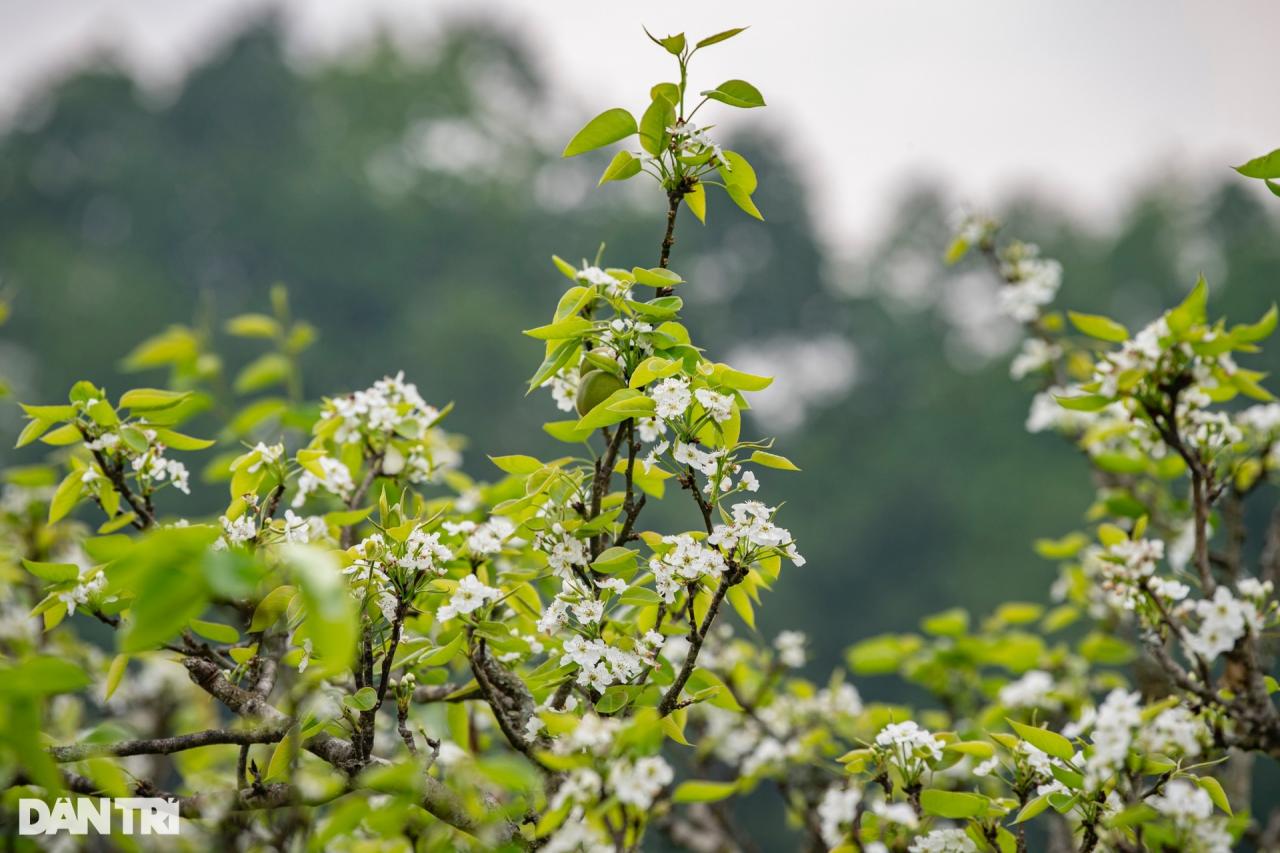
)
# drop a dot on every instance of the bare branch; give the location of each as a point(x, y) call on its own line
point(168, 745)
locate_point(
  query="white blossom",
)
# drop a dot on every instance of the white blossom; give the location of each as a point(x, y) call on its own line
point(638, 783)
point(719, 406)
point(671, 397)
point(790, 646)
point(836, 811)
point(470, 595)
point(1035, 354)
point(1032, 690)
point(943, 841)
point(686, 561)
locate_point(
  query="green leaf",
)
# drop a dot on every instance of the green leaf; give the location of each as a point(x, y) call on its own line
point(446, 653)
point(42, 676)
point(1033, 808)
point(53, 572)
point(615, 559)
point(1266, 166)
point(178, 441)
point(773, 460)
point(620, 168)
point(955, 805)
point(363, 700)
point(1105, 649)
point(696, 198)
point(653, 367)
point(1248, 333)
point(559, 357)
point(278, 766)
point(50, 413)
point(1044, 740)
point(882, 654)
point(660, 115)
point(639, 596)
point(271, 607)
point(566, 431)
point(604, 415)
point(569, 327)
point(253, 326)
point(704, 679)
point(736, 171)
point(638, 406)
point(956, 250)
point(1191, 310)
point(743, 200)
point(63, 436)
point(164, 569)
point(656, 277)
point(1098, 326)
point(66, 497)
point(263, 372)
point(736, 93)
point(674, 45)
point(175, 345)
point(145, 399)
point(331, 615)
point(608, 127)
point(516, 464)
point(616, 698)
point(741, 601)
point(1214, 788)
point(35, 428)
point(103, 414)
point(741, 381)
point(404, 778)
point(699, 791)
point(215, 631)
point(670, 91)
point(977, 748)
point(1084, 403)
point(257, 413)
point(948, 623)
point(115, 672)
point(719, 37)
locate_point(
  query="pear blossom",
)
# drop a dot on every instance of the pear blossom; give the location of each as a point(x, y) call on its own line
point(470, 596)
point(671, 397)
point(836, 811)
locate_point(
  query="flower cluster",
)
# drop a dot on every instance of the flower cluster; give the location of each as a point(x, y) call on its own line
point(1031, 282)
point(601, 665)
point(484, 539)
point(908, 747)
point(685, 561)
point(690, 139)
point(388, 422)
point(671, 398)
point(750, 529)
point(469, 597)
point(329, 474)
point(944, 841)
point(1190, 809)
point(1113, 730)
point(1224, 619)
point(1035, 689)
point(564, 552)
point(144, 452)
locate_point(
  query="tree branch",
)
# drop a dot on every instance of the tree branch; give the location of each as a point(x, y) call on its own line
point(168, 745)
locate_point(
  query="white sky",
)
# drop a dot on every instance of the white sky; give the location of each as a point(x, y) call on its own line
point(1081, 99)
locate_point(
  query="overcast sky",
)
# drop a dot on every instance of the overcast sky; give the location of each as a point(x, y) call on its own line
point(1081, 99)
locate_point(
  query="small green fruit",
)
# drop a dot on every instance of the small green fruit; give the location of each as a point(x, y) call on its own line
point(595, 388)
